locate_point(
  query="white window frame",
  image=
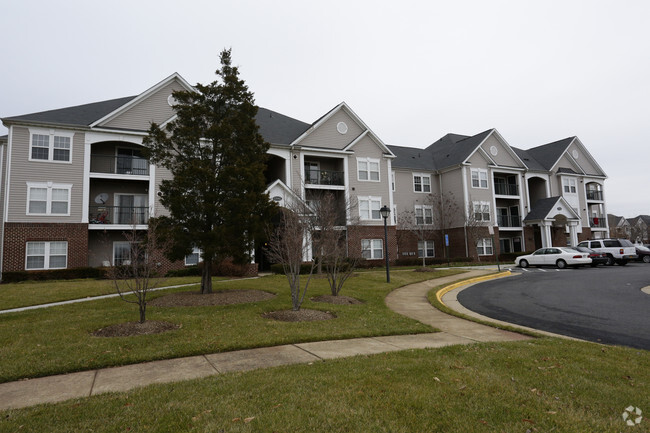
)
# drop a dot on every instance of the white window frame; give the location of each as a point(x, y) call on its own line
point(372, 246)
point(424, 187)
point(483, 245)
point(49, 186)
point(479, 178)
point(425, 213)
point(570, 184)
point(51, 135)
point(484, 212)
point(368, 172)
point(424, 247)
point(46, 255)
point(199, 254)
point(369, 201)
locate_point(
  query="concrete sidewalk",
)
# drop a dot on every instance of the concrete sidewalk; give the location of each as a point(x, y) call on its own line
point(410, 301)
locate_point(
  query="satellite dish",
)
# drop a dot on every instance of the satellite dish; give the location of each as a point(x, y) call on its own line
point(101, 198)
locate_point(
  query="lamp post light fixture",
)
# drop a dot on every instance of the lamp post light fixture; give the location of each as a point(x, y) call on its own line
point(385, 213)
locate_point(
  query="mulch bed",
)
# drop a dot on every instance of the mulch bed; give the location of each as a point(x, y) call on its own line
point(302, 315)
point(129, 329)
point(338, 300)
point(196, 299)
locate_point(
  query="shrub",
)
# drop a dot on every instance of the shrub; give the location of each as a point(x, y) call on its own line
point(190, 271)
point(54, 274)
point(304, 268)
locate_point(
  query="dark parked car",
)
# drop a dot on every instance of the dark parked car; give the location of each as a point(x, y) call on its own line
point(643, 253)
point(596, 257)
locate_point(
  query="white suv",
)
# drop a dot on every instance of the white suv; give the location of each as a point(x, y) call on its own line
point(617, 250)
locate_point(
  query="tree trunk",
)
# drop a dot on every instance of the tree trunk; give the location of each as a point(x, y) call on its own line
point(206, 276)
point(143, 309)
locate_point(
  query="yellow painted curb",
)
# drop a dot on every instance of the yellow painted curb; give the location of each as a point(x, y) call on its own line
point(440, 293)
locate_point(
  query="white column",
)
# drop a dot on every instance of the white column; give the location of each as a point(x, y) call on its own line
point(573, 233)
point(546, 234)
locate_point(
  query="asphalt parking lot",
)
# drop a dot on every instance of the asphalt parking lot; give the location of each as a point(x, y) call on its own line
point(603, 304)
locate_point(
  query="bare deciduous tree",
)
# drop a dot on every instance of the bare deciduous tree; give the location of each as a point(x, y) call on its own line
point(330, 245)
point(288, 244)
point(138, 270)
point(475, 224)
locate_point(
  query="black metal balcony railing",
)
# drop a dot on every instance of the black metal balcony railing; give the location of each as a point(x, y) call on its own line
point(595, 195)
point(324, 177)
point(597, 222)
point(118, 215)
point(509, 220)
point(506, 189)
point(121, 164)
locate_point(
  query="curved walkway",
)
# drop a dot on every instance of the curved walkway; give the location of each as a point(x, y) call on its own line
point(410, 301)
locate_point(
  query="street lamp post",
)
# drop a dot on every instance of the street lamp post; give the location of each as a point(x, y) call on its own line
point(385, 213)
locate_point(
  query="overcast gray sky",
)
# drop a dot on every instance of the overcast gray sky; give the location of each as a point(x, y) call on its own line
point(412, 70)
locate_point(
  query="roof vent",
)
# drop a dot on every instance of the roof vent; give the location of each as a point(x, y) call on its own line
point(342, 128)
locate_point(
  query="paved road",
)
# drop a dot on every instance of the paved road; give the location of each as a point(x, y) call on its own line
point(603, 304)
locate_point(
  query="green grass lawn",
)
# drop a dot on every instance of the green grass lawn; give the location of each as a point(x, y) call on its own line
point(544, 385)
point(58, 339)
point(26, 293)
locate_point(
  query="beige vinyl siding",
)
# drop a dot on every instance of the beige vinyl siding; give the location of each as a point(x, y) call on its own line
point(23, 171)
point(296, 183)
point(585, 160)
point(3, 183)
point(366, 147)
point(404, 197)
point(452, 189)
point(152, 109)
point(503, 157)
point(161, 173)
point(327, 136)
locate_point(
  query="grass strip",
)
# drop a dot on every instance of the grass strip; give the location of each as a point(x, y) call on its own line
point(545, 385)
point(58, 339)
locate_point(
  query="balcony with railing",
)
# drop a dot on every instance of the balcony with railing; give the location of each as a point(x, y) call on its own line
point(128, 215)
point(506, 188)
point(120, 164)
point(594, 195)
point(324, 177)
point(597, 222)
point(509, 220)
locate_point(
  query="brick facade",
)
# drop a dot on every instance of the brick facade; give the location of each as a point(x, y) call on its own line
point(16, 236)
point(357, 233)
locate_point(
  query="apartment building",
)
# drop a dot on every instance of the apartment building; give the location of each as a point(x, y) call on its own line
point(73, 180)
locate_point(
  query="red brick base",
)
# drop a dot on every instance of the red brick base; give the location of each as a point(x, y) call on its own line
point(16, 236)
point(357, 233)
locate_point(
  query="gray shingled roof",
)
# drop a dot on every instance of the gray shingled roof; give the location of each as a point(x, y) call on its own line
point(274, 127)
point(80, 115)
point(412, 158)
point(529, 160)
point(277, 128)
point(566, 170)
point(542, 208)
point(454, 149)
point(548, 154)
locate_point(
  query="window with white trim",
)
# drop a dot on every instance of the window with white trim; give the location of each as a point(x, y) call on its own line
point(193, 258)
point(426, 249)
point(423, 214)
point(48, 198)
point(421, 182)
point(368, 169)
point(121, 253)
point(481, 210)
point(569, 185)
point(484, 247)
point(50, 146)
point(479, 178)
point(369, 208)
point(372, 249)
point(46, 255)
